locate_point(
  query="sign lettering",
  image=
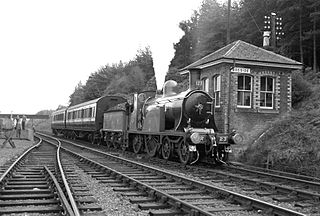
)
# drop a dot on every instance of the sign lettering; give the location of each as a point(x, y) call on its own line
point(199, 83)
point(240, 70)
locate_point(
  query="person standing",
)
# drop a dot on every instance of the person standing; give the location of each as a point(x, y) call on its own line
point(24, 119)
point(18, 126)
point(8, 126)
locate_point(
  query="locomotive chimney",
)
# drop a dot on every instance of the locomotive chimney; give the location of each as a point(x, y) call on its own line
point(266, 38)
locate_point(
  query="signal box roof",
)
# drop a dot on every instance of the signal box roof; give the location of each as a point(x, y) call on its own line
point(241, 52)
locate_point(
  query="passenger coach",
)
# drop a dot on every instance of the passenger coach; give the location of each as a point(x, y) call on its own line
point(83, 120)
point(58, 123)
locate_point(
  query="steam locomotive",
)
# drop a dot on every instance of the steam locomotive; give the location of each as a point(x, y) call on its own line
point(171, 125)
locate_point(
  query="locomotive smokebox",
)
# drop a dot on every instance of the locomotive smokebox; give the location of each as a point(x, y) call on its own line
point(198, 108)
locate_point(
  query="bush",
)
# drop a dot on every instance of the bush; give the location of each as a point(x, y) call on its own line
point(292, 145)
point(301, 88)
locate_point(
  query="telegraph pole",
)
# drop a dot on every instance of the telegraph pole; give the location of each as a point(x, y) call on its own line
point(273, 30)
point(228, 23)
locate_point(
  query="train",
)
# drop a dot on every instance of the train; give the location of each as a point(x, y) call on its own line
point(170, 125)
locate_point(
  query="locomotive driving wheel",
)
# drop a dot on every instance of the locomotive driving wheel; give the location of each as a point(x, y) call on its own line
point(151, 145)
point(137, 143)
point(167, 148)
point(183, 152)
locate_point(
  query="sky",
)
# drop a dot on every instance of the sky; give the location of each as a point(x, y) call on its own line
point(48, 46)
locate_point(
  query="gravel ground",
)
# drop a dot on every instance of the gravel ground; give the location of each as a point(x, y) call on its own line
point(7, 152)
point(112, 203)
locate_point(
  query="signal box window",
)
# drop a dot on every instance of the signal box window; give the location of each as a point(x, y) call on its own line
point(205, 84)
point(217, 89)
point(244, 91)
point(266, 92)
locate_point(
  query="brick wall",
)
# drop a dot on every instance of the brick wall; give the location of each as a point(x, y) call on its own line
point(249, 122)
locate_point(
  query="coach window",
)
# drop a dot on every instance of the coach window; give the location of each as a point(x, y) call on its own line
point(244, 91)
point(216, 89)
point(205, 84)
point(266, 92)
point(90, 112)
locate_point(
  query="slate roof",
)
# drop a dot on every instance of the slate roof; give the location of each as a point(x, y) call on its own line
point(240, 50)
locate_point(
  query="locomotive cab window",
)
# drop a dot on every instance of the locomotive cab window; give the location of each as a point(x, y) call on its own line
point(244, 91)
point(266, 92)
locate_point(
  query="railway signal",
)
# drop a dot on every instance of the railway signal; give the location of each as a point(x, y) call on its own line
point(272, 30)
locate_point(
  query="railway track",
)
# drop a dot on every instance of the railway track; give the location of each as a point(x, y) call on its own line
point(166, 193)
point(29, 185)
point(297, 186)
point(42, 181)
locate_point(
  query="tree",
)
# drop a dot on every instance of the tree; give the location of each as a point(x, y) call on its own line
point(120, 78)
point(144, 60)
point(77, 96)
point(184, 49)
point(132, 80)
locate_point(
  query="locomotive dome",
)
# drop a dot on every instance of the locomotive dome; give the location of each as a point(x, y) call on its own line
point(169, 88)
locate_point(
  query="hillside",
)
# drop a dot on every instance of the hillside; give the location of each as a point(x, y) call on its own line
point(292, 143)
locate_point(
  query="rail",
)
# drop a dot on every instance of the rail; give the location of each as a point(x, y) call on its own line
point(64, 180)
point(61, 195)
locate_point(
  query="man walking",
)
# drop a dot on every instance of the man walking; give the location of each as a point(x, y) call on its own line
point(8, 126)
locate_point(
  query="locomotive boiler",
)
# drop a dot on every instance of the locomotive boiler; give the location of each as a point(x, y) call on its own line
point(171, 125)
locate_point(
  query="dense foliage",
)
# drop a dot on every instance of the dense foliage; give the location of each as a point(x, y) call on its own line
point(206, 30)
point(121, 78)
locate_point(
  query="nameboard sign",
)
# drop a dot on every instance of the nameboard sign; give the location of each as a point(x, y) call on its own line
point(241, 70)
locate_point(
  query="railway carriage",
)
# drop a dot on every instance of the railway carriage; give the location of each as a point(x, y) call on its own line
point(85, 120)
point(58, 123)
